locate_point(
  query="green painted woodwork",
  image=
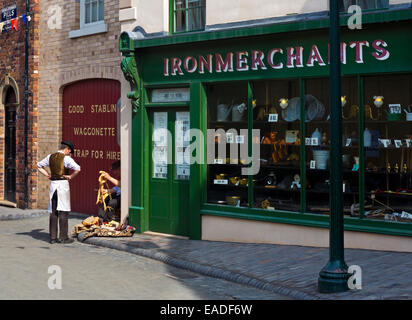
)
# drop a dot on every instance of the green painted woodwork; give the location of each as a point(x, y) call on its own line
point(197, 192)
point(168, 205)
point(302, 150)
point(128, 66)
point(399, 59)
point(148, 73)
point(361, 125)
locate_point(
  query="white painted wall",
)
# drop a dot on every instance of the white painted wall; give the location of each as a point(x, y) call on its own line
point(152, 16)
point(218, 11)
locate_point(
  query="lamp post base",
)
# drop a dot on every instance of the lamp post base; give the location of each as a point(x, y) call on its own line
point(333, 277)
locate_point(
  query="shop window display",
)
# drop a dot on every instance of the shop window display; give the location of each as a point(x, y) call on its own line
point(228, 118)
point(388, 147)
point(276, 113)
point(318, 144)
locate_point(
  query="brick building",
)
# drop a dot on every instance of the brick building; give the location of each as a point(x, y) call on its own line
point(13, 103)
point(79, 87)
point(74, 87)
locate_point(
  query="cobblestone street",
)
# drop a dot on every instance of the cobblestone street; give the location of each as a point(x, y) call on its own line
point(90, 272)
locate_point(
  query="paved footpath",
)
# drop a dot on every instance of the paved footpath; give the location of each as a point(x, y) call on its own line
point(98, 273)
point(285, 270)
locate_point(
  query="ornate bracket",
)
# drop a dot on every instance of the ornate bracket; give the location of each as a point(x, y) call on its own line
point(129, 68)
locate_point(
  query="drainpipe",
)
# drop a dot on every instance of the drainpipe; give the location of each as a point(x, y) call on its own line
point(26, 109)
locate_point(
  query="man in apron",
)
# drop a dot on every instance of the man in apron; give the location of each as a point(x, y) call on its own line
point(59, 195)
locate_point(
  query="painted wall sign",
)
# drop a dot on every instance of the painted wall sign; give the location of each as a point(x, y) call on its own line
point(8, 13)
point(90, 121)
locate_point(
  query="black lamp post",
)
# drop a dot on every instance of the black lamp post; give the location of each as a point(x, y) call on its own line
point(334, 276)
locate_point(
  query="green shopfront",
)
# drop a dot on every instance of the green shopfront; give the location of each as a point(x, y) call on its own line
point(262, 93)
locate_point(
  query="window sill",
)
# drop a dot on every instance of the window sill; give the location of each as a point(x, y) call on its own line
point(89, 30)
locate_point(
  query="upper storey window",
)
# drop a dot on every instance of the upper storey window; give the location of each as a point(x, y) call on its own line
point(91, 19)
point(93, 11)
point(364, 4)
point(188, 15)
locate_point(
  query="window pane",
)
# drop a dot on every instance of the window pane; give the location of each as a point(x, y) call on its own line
point(317, 145)
point(87, 13)
point(278, 184)
point(180, 4)
point(180, 21)
point(227, 149)
point(101, 10)
point(195, 21)
point(364, 4)
point(182, 125)
point(190, 15)
point(160, 145)
point(94, 11)
point(388, 148)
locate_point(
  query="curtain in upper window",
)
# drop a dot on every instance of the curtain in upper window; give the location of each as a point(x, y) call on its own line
point(189, 15)
point(364, 4)
point(94, 11)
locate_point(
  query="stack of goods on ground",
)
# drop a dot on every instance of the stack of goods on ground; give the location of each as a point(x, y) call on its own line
point(92, 226)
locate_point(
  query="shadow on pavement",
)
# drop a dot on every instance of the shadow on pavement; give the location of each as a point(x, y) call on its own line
point(37, 234)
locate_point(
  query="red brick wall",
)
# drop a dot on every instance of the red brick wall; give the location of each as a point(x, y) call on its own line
point(12, 66)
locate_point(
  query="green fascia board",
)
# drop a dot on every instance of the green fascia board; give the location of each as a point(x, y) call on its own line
point(367, 18)
point(309, 220)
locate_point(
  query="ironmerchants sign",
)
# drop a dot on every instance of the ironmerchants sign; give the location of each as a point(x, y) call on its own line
point(280, 55)
point(275, 58)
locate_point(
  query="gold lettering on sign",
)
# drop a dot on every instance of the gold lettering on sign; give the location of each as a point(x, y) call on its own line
point(76, 109)
point(81, 153)
point(97, 154)
point(103, 108)
point(112, 155)
point(87, 131)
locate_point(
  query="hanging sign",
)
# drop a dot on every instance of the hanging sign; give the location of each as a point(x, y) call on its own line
point(7, 14)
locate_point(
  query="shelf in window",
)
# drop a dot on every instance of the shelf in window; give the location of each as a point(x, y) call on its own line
point(279, 167)
point(258, 188)
point(226, 123)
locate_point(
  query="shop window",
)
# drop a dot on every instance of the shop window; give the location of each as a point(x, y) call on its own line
point(364, 4)
point(276, 114)
point(227, 146)
point(189, 15)
point(318, 144)
point(388, 147)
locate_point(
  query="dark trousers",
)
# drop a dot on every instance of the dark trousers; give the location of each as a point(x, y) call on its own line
point(109, 213)
point(60, 217)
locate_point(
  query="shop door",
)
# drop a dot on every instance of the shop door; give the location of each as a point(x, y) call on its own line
point(10, 147)
point(169, 172)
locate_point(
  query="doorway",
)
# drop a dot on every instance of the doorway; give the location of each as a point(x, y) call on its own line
point(169, 171)
point(10, 146)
